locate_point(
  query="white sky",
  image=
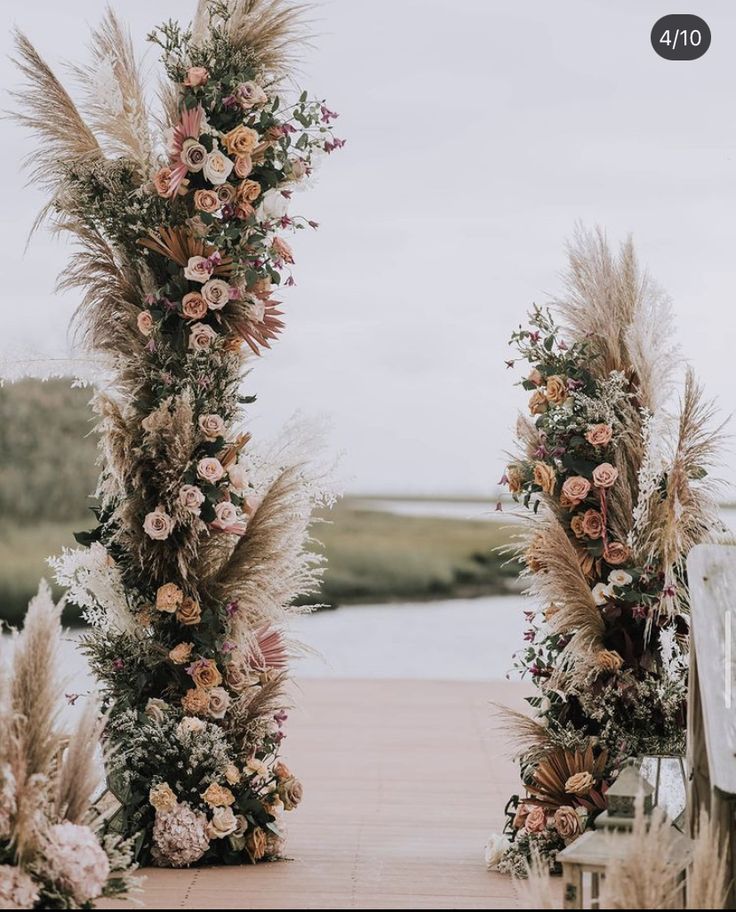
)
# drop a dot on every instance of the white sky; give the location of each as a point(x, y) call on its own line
point(478, 133)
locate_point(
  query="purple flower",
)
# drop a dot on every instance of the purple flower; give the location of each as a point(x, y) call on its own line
point(281, 717)
point(231, 608)
point(639, 612)
point(228, 647)
point(118, 664)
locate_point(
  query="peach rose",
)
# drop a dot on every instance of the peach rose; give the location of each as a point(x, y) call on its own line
point(216, 293)
point(281, 771)
point(196, 76)
point(297, 169)
point(608, 660)
point(576, 525)
point(243, 165)
point(291, 792)
point(158, 525)
point(206, 675)
point(193, 306)
point(514, 479)
point(536, 378)
point(556, 390)
point(198, 269)
point(162, 182)
point(599, 435)
point(219, 702)
point(579, 784)
point(241, 140)
point(211, 426)
point(201, 337)
point(218, 796)
point(238, 679)
point(522, 812)
point(162, 797)
point(255, 843)
point(191, 498)
point(189, 613)
point(181, 653)
point(195, 701)
point(545, 477)
point(593, 524)
point(576, 489)
point(282, 250)
point(210, 469)
point(615, 553)
point(145, 322)
point(248, 190)
point(566, 822)
point(244, 210)
point(538, 403)
point(168, 598)
point(605, 475)
point(232, 774)
point(536, 820)
point(206, 201)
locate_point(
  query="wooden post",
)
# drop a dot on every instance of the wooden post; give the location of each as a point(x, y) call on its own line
point(712, 693)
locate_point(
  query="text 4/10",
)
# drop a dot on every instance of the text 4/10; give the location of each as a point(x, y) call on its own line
point(683, 37)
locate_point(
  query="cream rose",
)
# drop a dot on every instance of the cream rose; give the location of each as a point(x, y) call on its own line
point(196, 76)
point(579, 784)
point(605, 475)
point(198, 269)
point(217, 167)
point(162, 797)
point(238, 477)
point(216, 293)
point(544, 476)
point(211, 426)
point(223, 823)
point(189, 613)
point(536, 820)
point(158, 525)
point(619, 578)
point(232, 774)
point(210, 469)
point(602, 593)
point(193, 155)
point(181, 653)
point(145, 322)
point(495, 849)
point(226, 513)
point(191, 498)
point(576, 489)
point(599, 435)
point(243, 165)
point(201, 337)
point(274, 205)
point(168, 598)
point(241, 141)
point(556, 390)
point(206, 201)
point(190, 725)
point(219, 702)
point(193, 306)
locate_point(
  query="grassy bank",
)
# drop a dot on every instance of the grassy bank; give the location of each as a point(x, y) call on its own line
point(372, 557)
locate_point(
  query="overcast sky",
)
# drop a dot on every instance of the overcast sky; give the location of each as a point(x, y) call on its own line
point(478, 133)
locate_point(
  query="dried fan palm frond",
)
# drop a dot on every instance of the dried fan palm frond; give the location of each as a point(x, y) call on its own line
point(35, 687)
point(559, 579)
point(269, 566)
point(114, 96)
point(274, 31)
point(178, 244)
point(78, 775)
point(526, 737)
point(45, 107)
point(620, 311)
point(257, 334)
point(551, 788)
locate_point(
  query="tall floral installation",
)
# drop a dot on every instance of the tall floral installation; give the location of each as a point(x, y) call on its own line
point(614, 476)
point(53, 854)
point(192, 572)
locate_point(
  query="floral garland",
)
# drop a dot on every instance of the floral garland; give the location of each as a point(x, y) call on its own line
point(607, 648)
point(192, 569)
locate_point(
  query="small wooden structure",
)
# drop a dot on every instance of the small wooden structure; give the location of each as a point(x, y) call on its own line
point(712, 701)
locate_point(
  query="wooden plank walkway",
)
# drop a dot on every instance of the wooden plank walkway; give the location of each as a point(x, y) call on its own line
point(403, 780)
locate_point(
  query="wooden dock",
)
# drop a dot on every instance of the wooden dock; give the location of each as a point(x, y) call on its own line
point(404, 780)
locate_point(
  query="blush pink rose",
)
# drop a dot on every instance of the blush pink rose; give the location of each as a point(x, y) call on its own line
point(196, 76)
point(211, 426)
point(599, 435)
point(145, 322)
point(201, 337)
point(605, 475)
point(536, 820)
point(576, 489)
point(158, 525)
point(210, 469)
point(198, 269)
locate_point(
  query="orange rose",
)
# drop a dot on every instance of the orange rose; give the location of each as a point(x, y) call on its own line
point(556, 390)
point(206, 201)
point(592, 524)
point(248, 190)
point(615, 553)
point(205, 674)
point(168, 598)
point(189, 613)
point(195, 702)
point(538, 403)
point(545, 477)
point(608, 660)
point(218, 796)
point(514, 479)
point(181, 653)
point(576, 525)
point(241, 141)
point(579, 784)
point(193, 306)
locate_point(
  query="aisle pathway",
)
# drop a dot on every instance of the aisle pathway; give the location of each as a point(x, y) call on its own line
point(403, 782)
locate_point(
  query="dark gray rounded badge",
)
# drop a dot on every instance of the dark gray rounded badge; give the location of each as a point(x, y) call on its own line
point(680, 36)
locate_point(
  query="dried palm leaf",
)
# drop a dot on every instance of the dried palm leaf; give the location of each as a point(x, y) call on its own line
point(178, 244)
point(115, 101)
point(550, 784)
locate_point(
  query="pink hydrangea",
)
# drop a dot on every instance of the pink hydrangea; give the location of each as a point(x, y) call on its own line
point(77, 861)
